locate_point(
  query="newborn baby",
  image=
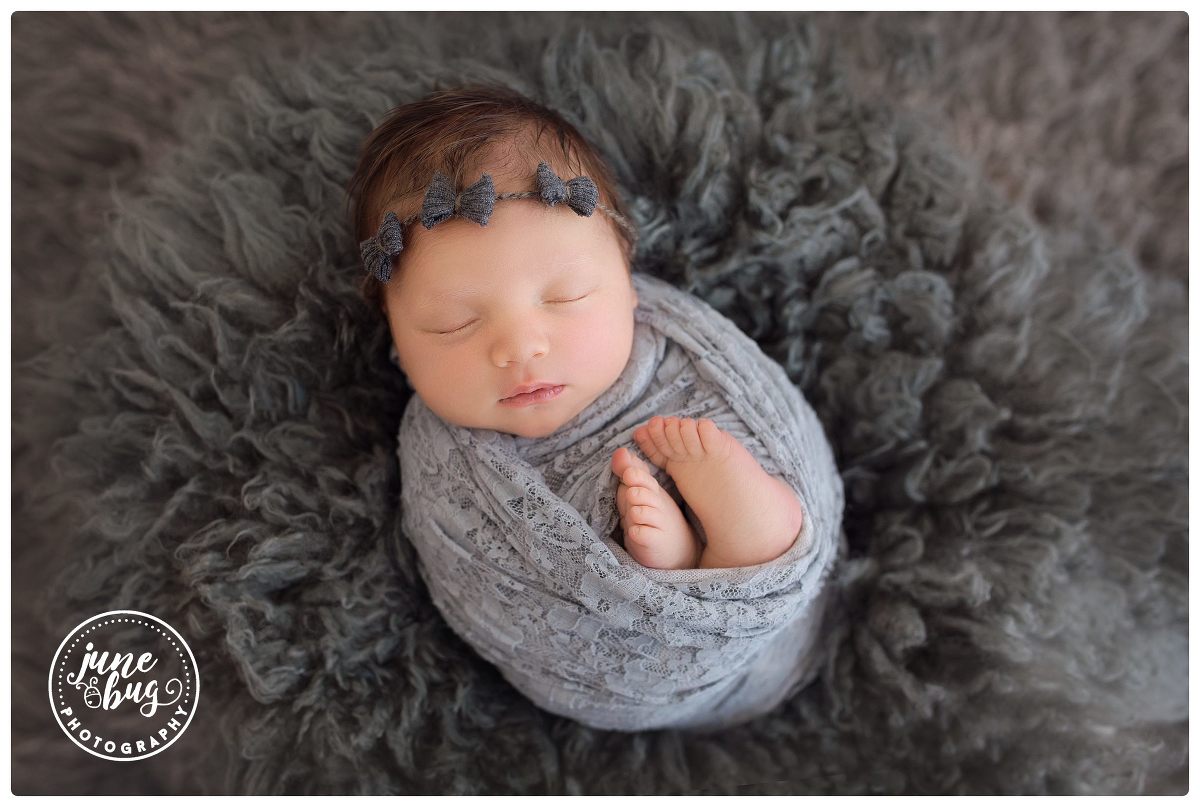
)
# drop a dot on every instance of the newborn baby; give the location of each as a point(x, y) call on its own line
point(519, 325)
point(550, 404)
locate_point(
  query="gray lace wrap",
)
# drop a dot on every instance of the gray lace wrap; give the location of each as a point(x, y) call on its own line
point(519, 540)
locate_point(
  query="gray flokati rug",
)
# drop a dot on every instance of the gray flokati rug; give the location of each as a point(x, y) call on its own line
point(1007, 407)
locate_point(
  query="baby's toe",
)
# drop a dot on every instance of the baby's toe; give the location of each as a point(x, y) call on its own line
point(689, 435)
point(629, 496)
point(674, 438)
point(638, 494)
point(714, 441)
point(646, 515)
point(637, 472)
point(643, 538)
point(656, 428)
point(623, 459)
point(643, 436)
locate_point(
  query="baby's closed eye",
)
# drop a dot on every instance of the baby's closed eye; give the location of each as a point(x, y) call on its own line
point(464, 326)
point(576, 299)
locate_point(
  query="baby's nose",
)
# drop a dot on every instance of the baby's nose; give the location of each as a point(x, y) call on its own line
point(519, 346)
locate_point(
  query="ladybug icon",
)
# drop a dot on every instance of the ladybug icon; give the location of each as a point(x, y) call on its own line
point(91, 695)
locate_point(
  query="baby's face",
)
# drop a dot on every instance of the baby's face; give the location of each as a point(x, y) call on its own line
point(540, 294)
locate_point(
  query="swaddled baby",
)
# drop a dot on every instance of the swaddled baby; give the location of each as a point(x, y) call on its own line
point(579, 516)
point(520, 324)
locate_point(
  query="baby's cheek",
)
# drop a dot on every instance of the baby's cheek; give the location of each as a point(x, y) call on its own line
point(600, 342)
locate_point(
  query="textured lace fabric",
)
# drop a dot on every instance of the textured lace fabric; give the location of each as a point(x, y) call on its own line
point(519, 539)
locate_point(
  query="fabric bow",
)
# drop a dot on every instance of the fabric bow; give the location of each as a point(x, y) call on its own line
point(379, 250)
point(579, 193)
point(475, 203)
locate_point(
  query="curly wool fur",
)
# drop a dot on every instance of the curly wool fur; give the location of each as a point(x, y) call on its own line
point(1007, 405)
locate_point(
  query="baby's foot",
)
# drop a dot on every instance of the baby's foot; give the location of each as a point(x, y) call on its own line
point(749, 516)
point(657, 534)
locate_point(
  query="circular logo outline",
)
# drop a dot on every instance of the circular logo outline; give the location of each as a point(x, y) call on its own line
point(72, 634)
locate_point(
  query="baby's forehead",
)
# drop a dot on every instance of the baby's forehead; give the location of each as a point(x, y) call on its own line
point(432, 292)
point(480, 283)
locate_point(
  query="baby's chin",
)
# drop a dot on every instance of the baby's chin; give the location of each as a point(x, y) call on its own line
point(542, 424)
point(542, 430)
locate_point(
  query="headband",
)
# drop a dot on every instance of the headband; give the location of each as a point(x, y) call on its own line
point(476, 203)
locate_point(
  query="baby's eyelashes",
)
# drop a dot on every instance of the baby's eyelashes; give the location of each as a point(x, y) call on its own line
point(472, 322)
point(575, 300)
point(454, 330)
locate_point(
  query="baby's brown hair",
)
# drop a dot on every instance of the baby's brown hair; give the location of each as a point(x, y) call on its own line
point(459, 130)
